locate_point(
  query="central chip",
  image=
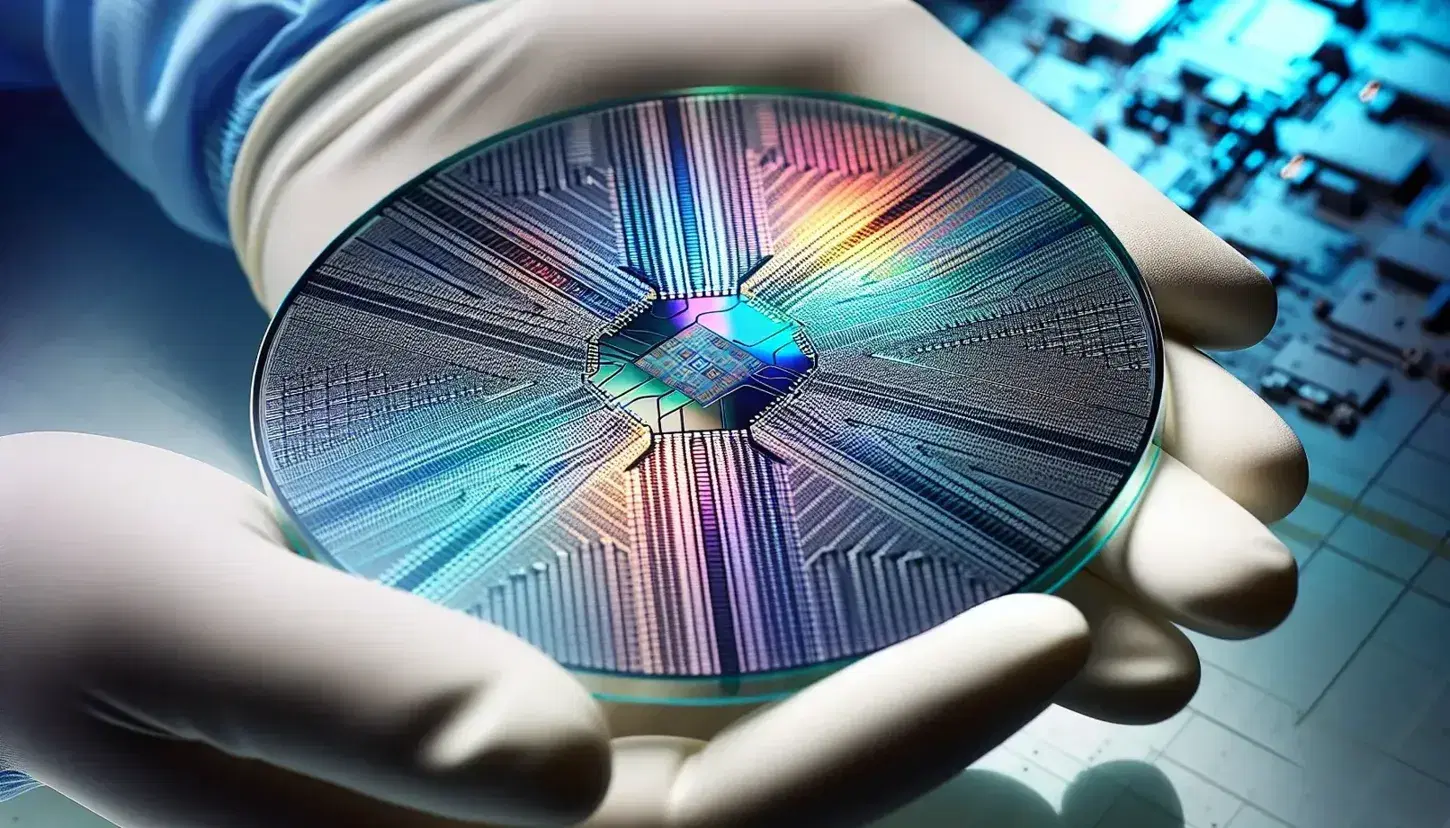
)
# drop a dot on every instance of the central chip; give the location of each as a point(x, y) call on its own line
point(701, 364)
point(706, 363)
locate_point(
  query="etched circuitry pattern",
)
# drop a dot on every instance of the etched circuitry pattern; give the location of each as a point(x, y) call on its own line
point(713, 385)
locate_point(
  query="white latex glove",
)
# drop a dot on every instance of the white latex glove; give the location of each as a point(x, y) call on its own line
point(418, 81)
point(167, 662)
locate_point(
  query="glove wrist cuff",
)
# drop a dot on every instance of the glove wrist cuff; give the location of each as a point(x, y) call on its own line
point(411, 83)
point(325, 146)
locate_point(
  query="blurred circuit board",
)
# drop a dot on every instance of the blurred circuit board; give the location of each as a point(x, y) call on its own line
point(1314, 136)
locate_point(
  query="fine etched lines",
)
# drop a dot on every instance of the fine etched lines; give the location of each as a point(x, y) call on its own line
point(713, 385)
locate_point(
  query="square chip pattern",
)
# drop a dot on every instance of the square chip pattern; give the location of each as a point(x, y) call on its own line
point(702, 365)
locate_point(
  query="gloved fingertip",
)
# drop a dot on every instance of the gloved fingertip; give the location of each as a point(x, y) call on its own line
point(1253, 599)
point(554, 748)
point(1047, 629)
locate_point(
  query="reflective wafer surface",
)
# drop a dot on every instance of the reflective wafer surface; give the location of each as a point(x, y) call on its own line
point(714, 386)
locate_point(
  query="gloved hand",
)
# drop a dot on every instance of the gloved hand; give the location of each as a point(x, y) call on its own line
point(417, 81)
point(165, 661)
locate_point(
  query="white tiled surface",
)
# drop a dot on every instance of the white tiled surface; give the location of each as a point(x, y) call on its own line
point(1435, 579)
point(1433, 435)
point(1338, 719)
point(1340, 601)
point(1374, 546)
point(1251, 817)
point(1380, 698)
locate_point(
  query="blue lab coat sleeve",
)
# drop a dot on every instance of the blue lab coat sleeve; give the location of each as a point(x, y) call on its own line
point(167, 88)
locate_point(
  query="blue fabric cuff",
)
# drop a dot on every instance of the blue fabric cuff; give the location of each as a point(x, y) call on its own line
point(168, 88)
point(15, 783)
point(223, 140)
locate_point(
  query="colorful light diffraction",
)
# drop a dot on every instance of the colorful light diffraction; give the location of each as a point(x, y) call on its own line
point(705, 394)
